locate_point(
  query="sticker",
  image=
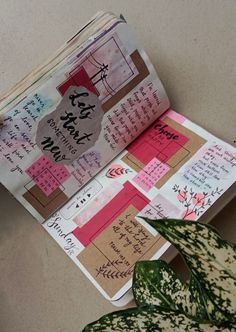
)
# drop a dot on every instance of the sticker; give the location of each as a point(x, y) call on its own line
point(73, 128)
point(81, 199)
point(128, 195)
point(47, 175)
point(152, 172)
point(85, 165)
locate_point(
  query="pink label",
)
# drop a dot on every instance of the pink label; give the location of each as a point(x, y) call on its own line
point(160, 141)
point(152, 172)
point(128, 195)
point(78, 77)
point(174, 116)
point(47, 175)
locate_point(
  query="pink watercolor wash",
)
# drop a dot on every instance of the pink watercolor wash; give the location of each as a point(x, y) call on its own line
point(109, 67)
point(181, 196)
point(190, 215)
point(198, 199)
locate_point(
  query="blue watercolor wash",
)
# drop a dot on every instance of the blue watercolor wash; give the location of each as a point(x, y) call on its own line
point(36, 106)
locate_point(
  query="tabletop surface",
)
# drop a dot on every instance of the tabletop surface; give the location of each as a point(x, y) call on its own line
point(192, 45)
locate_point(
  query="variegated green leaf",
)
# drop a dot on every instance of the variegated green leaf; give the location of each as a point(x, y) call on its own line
point(211, 311)
point(155, 283)
point(211, 260)
point(150, 319)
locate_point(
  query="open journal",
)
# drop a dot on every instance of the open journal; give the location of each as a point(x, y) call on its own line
point(89, 144)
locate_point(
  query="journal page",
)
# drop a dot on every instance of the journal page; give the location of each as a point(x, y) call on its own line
point(78, 112)
point(175, 169)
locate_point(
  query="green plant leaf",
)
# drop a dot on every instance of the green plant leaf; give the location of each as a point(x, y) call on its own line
point(155, 283)
point(211, 259)
point(210, 310)
point(150, 319)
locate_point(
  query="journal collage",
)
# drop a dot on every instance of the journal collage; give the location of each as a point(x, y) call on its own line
point(89, 145)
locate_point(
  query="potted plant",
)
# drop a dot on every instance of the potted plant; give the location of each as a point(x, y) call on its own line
point(164, 302)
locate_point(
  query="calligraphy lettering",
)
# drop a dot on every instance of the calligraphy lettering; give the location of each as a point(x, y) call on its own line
point(163, 130)
point(85, 110)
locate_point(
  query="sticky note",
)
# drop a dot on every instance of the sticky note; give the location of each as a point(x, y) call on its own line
point(150, 174)
point(47, 175)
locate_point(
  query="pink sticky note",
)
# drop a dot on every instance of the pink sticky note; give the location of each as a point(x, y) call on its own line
point(160, 141)
point(150, 174)
point(174, 116)
point(47, 175)
point(47, 182)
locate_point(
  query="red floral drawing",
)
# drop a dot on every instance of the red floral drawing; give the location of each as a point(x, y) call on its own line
point(117, 170)
point(194, 202)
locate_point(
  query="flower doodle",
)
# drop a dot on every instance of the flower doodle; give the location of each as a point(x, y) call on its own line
point(195, 203)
